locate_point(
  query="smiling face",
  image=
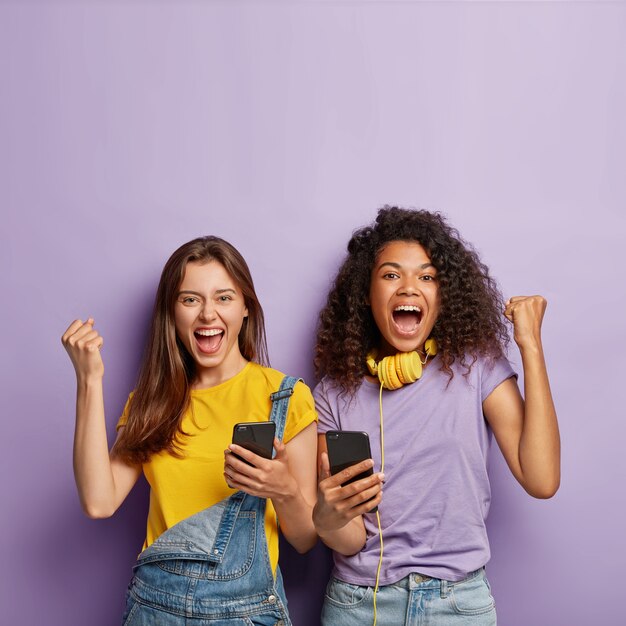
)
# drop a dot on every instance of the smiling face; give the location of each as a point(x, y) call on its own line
point(208, 314)
point(404, 297)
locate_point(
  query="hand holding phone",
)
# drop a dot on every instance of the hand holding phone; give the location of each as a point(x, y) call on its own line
point(258, 437)
point(345, 449)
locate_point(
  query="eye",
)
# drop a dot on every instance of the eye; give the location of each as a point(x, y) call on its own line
point(391, 275)
point(428, 278)
point(225, 298)
point(189, 300)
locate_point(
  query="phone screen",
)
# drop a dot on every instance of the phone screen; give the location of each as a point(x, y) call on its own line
point(258, 437)
point(347, 447)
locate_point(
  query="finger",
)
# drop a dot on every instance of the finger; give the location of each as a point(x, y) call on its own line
point(280, 448)
point(516, 299)
point(364, 494)
point(324, 467)
point(248, 455)
point(95, 344)
point(239, 465)
point(350, 472)
point(77, 327)
point(235, 481)
point(80, 334)
point(366, 507)
point(229, 481)
point(71, 329)
point(373, 482)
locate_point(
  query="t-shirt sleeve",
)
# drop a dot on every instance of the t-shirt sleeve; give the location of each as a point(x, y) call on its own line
point(301, 411)
point(122, 421)
point(326, 418)
point(495, 371)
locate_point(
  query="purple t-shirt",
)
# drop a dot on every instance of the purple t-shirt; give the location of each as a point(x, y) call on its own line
point(436, 494)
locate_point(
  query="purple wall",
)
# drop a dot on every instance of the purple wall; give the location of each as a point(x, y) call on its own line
point(126, 130)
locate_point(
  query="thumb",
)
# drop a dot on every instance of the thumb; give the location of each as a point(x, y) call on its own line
point(279, 446)
point(324, 466)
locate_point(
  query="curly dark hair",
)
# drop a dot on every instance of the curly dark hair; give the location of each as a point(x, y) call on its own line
point(470, 321)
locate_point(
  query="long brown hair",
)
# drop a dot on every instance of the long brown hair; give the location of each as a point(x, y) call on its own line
point(470, 321)
point(167, 371)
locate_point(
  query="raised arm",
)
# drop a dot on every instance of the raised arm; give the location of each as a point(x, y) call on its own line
point(103, 482)
point(527, 431)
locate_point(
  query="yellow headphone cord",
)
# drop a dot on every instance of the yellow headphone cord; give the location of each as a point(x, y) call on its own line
point(382, 469)
point(393, 372)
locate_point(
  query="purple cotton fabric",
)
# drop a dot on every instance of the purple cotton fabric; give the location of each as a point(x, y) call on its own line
point(436, 494)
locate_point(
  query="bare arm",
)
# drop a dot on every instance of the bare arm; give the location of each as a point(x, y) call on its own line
point(103, 482)
point(527, 432)
point(338, 514)
point(288, 479)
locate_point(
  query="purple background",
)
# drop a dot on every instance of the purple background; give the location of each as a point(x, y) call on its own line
point(128, 129)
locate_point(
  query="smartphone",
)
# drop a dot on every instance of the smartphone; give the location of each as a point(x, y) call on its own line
point(258, 437)
point(347, 447)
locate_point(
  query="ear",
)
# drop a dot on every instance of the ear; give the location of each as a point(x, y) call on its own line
point(245, 311)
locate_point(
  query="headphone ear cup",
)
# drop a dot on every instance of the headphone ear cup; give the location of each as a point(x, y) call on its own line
point(372, 366)
point(430, 346)
point(392, 380)
point(410, 365)
point(400, 369)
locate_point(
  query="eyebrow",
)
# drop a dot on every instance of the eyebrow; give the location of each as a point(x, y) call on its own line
point(217, 292)
point(423, 266)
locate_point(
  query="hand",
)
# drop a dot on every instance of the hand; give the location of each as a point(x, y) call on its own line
point(265, 478)
point(83, 345)
point(526, 313)
point(337, 505)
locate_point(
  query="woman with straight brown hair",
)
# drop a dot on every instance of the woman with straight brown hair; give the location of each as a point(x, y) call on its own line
point(211, 548)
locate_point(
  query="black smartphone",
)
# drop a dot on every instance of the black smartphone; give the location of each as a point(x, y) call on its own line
point(347, 447)
point(258, 437)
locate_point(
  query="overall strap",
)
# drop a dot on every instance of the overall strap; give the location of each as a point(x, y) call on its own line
point(280, 404)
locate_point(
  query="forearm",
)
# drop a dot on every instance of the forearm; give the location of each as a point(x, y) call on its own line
point(92, 466)
point(348, 539)
point(295, 516)
point(539, 447)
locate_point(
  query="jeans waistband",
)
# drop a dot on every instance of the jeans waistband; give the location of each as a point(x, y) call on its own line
point(415, 579)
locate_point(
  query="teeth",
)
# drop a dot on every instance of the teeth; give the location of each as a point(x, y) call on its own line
point(408, 307)
point(209, 333)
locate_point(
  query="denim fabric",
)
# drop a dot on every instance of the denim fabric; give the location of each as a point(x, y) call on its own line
point(213, 568)
point(433, 602)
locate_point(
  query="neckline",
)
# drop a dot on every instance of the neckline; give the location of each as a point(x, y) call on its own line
point(229, 381)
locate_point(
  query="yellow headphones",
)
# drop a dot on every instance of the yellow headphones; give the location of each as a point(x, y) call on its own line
point(400, 369)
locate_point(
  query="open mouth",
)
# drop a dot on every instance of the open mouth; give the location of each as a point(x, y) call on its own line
point(208, 340)
point(407, 317)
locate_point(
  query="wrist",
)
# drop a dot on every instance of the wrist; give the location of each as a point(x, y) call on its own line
point(529, 344)
point(288, 495)
point(88, 382)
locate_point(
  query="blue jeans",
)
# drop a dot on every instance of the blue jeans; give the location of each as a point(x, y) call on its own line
point(432, 602)
point(213, 568)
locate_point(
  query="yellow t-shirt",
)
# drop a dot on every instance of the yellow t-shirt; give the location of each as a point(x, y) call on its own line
point(181, 487)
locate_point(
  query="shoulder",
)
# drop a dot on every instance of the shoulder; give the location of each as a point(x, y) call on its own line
point(495, 366)
point(124, 417)
point(479, 365)
point(327, 389)
point(272, 378)
point(491, 371)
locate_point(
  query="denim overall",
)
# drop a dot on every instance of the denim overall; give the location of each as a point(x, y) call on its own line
point(213, 568)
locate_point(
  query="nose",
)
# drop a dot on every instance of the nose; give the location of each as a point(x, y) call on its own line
point(207, 312)
point(409, 286)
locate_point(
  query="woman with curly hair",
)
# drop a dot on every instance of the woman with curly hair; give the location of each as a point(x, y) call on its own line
point(411, 349)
